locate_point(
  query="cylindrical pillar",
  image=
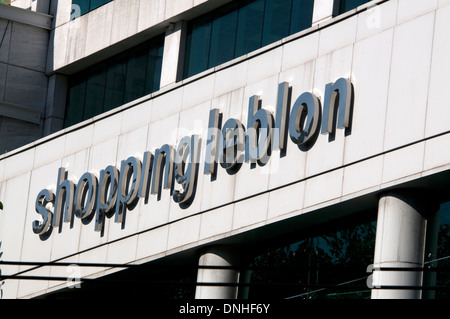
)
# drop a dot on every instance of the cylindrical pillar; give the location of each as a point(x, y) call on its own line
point(400, 243)
point(216, 258)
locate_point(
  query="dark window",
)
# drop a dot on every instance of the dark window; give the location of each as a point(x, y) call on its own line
point(82, 4)
point(437, 255)
point(118, 80)
point(330, 264)
point(250, 25)
point(277, 19)
point(241, 27)
point(223, 36)
point(347, 5)
point(97, 3)
point(115, 82)
point(86, 6)
point(197, 46)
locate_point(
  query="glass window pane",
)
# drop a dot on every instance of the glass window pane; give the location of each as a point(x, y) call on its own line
point(82, 4)
point(277, 16)
point(115, 82)
point(97, 3)
point(95, 91)
point(197, 46)
point(437, 254)
point(301, 17)
point(250, 24)
point(136, 73)
point(347, 5)
point(76, 98)
point(154, 66)
point(337, 257)
point(223, 36)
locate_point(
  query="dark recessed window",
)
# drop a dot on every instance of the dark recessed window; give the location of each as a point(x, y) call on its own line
point(330, 264)
point(241, 27)
point(347, 5)
point(80, 7)
point(114, 82)
point(437, 255)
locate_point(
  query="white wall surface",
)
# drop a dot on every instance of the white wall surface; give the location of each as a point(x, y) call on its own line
point(399, 69)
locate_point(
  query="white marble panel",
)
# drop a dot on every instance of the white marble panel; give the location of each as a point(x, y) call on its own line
point(403, 162)
point(328, 153)
point(438, 111)
point(216, 223)
point(107, 128)
point(26, 160)
point(408, 84)
point(290, 166)
point(265, 65)
point(103, 154)
point(192, 121)
point(250, 211)
point(323, 188)
point(198, 91)
point(122, 251)
point(436, 154)
point(408, 9)
point(50, 151)
point(167, 104)
point(79, 140)
point(252, 179)
point(184, 232)
point(362, 175)
point(97, 255)
point(370, 78)
point(136, 116)
point(14, 216)
point(132, 143)
point(443, 3)
point(230, 79)
point(337, 36)
point(286, 200)
point(152, 242)
point(300, 51)
point(322, 10)
point(221, 189)
point(376, 19)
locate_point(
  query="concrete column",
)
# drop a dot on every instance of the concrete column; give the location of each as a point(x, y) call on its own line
point(173, 55)
point(41, 6)
point(56, 104)
point(400, 243)
point(222, 257)
point(323, 10)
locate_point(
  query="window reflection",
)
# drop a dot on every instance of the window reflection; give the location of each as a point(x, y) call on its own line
point(347, 5)
point(437, 255)
point(118, 80)
point(87, 5)
point(241, 27)
point(306, 269)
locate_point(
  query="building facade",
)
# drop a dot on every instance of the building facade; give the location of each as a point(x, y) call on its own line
point(225, 149)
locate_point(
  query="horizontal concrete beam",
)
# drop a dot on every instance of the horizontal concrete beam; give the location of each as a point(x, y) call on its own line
point(36, 19)
point(20, 112)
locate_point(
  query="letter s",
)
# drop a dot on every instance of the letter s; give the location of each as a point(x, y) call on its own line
point(44, 197)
